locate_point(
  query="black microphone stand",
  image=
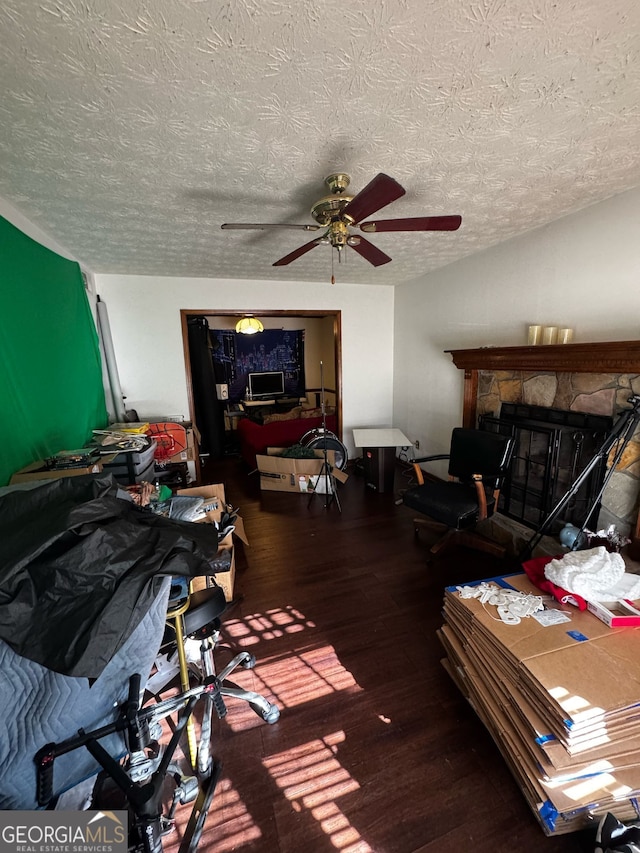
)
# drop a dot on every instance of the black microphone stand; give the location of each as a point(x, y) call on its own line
point(325, 474)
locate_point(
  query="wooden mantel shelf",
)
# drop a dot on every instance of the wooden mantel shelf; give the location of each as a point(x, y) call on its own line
point(609, 357)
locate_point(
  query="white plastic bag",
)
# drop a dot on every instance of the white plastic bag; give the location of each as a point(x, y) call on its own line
point(323, 484)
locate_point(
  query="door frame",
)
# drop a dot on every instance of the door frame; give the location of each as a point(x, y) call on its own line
point(185, 313)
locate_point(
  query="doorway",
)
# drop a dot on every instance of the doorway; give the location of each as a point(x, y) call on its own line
point(323, 343)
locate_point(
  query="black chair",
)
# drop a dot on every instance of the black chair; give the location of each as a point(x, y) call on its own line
point(478, 464)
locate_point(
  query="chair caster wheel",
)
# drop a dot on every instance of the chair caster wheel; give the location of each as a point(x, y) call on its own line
point(249, 662)
point(272, 715)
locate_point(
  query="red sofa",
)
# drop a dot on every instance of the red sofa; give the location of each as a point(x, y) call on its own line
point(255, 438)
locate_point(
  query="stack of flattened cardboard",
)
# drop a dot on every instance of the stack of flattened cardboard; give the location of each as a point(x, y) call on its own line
point(560, 698)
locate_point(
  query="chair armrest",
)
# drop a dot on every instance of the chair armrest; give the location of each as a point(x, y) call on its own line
point(482, 496)
point(431, 458)
point(418, 470)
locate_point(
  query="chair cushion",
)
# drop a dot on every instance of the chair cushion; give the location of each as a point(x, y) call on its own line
point(453, 504)
point(204, 606)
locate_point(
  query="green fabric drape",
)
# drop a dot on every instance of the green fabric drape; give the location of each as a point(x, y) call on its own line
point(51, 390)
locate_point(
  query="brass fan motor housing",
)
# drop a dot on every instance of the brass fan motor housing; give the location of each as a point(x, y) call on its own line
point(329, 207)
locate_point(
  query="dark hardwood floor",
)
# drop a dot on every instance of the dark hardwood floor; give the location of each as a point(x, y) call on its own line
point(375, 749)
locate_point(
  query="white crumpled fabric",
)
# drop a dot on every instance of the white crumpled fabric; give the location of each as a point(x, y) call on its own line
point(594, 574)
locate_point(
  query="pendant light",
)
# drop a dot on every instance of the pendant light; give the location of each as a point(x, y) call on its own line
point(249, 326)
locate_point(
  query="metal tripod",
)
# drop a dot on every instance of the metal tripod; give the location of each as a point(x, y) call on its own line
point(620, 435)
point(325, 475)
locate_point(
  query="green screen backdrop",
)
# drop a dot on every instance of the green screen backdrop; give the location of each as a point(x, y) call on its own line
point(51, 391)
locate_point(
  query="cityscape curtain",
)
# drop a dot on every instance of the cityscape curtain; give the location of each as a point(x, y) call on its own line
point(236, 355)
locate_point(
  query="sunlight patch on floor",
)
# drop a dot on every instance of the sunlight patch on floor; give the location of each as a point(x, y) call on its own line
point(312, 779)
point(289, 682)
point(303, 677)
point(228, 811)
point(269, 625)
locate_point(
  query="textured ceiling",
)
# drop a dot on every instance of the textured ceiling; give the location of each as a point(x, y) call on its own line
point(131, 130)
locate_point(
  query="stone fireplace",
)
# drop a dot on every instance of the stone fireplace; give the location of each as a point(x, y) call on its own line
point(553, 447)
point(594, 378)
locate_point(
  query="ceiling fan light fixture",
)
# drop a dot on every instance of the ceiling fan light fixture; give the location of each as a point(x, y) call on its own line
point(249, 326)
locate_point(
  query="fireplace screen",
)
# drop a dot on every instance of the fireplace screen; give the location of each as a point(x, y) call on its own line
point(552, 447)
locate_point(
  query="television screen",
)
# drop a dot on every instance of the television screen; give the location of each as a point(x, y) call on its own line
point(269, 384)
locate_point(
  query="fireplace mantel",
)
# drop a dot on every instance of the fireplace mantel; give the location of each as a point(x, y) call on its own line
point(606, 357)
point(609, 357)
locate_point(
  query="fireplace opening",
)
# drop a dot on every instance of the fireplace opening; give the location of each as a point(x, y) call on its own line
point(552, 447)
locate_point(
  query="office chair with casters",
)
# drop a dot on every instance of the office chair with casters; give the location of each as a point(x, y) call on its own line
point(478, 464)
point(195, 616)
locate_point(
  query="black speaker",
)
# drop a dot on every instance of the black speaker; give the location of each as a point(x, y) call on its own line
point(378, 465)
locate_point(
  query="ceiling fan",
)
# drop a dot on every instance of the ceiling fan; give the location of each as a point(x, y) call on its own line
point(338, 213)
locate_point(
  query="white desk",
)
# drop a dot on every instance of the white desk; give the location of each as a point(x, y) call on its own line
point(378, 455)
point(380, 437)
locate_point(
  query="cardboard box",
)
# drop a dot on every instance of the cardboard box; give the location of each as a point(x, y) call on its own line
point(189, 453)
point(38, 471)
point(225, 580)
point(285, 474)
point(215, 505)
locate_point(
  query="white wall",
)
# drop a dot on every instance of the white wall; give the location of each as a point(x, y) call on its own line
point(144, 313)
point(582, 271)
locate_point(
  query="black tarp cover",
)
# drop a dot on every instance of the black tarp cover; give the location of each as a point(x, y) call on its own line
point(79, 567)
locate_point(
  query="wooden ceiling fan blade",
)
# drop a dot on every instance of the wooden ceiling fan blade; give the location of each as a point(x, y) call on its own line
point(380, 191)
point(297, 253)
point(370, 252)
point(255, 226)
point(420, 223)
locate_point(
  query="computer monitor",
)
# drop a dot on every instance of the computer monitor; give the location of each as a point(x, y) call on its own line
point(264, 385)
